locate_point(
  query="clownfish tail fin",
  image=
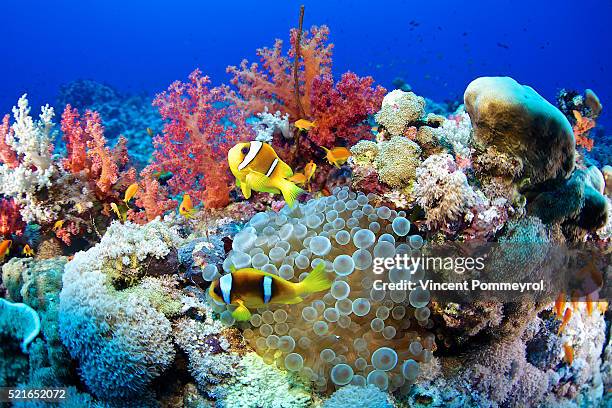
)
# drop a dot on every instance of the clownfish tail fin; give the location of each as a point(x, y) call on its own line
point(290, 191)
point(316, 281)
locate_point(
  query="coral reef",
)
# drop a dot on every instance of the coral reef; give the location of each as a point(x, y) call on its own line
point(201, 125)
point(395, 161)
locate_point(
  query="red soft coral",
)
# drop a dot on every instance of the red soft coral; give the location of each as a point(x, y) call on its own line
point(201, 126)
point(10, 218)
point(341, 110)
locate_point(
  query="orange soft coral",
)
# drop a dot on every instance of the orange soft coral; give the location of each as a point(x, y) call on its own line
point(271, 85)
point(581, 130)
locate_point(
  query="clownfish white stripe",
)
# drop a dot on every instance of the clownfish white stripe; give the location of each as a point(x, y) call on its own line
point(267, 288)
point(253, 150)
point(226, 287)
point(272, 167)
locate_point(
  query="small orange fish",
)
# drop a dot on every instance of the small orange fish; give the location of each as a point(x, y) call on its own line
point(5, 248)
point(58, 225)
point(27, 251)
point(130, 192)
point(304, 124)
point(569, 353)
point(186, 208)
point(337, 155)
point(298, 178)
point(560, 305)
point(566, 318)
point(150, 131)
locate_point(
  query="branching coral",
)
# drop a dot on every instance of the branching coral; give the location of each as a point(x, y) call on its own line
point(337, 109)
point(456, 132)
point(442, 190)
point(29, 168)
point(268, 124)
point(201, 125)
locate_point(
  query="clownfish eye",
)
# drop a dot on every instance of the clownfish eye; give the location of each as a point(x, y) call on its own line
point(245, 150)
point(217, 290)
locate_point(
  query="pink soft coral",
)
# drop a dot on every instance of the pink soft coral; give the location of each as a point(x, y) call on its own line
point(7, 154)
point(338, 109)
point(201, 125)
point(152, 197)
point(88, 153)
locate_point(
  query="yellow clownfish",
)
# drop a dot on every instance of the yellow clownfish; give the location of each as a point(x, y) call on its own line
point(257, 167)
point(252, 288)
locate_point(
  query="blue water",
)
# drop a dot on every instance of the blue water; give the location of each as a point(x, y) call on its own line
point(437, 47)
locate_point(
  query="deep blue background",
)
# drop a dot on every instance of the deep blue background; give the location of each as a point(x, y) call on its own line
point(138, 45)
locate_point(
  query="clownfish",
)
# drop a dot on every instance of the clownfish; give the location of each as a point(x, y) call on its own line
point(256, 166)
point(5, 248)
point(337, 155)
point(251, 288)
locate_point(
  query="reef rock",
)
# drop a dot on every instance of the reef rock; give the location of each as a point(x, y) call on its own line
point(515, 120)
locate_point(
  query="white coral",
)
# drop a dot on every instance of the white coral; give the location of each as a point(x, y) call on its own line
point(442, 190)
point(268, 123)
point(119, 339)
point(31, 141)
point(456, 133)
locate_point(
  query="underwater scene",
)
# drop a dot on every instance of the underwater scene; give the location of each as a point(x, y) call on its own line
point(320, 204)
